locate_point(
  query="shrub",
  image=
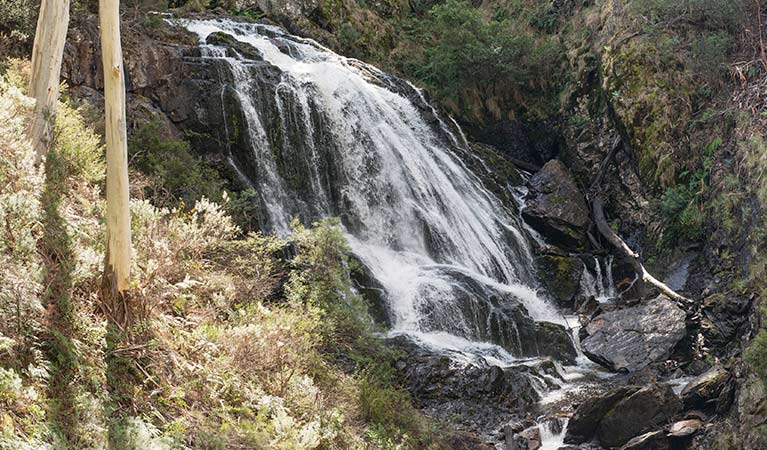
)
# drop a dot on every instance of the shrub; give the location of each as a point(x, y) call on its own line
point(17, 26)
point(466, 50)
point(175, 173)
point(275, 345)
point(703, 14)
point(710, 54)
point(756, 354)
point(682, 205)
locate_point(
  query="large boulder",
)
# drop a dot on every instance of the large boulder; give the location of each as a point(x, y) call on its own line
point(751, 409)
point(642, 411)
point(561, 275)
point(705, 389)
point(476, 396)
point(654, 440)
point(725, 318)
point(633, 338)
point(556, 208)
point(585, 421)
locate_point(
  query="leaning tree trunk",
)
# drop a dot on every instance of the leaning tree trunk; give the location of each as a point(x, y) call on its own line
point(633, 258)
point(118, 252)
point(47, 54)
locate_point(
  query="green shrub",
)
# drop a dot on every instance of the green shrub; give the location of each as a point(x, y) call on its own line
point(243, 206)
point(17, 26)
point(384, 405)
point(464, 50)
point(682, 205)
point(710, 54)
point(174, 172)
point(703, 14)
point(756, 353)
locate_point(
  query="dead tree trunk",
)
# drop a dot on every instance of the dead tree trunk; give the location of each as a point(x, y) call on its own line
point(118, 251)
point(47, 53)
point(612, 237)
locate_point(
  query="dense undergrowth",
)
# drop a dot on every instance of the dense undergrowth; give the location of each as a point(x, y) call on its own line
point(241, 340)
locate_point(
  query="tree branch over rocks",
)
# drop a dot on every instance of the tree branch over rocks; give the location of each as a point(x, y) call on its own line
point(597, 208)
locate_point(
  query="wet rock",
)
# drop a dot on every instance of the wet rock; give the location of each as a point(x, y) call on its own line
point(554, 340)
point(633, 338)
point(561, 275)
point(529, 439)
point(477, 397)
point(645, 409)
point(725, 318)
point(585, 421)
point(726, 397)
point(492, 315)
point(234, 46)
point(704, 389)
point(556, 207)
point(532, 437)
point(685, 428)
point(654, 440)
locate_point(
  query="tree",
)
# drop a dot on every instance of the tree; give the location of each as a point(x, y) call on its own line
point(118, 252)
point(47, 53)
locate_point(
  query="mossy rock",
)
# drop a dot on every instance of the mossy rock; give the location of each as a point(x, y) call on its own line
point(554, 340)
point(233, 45)
point(561, 275)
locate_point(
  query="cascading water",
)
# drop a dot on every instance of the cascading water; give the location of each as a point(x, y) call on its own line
point(600, 284)
point(333, 136)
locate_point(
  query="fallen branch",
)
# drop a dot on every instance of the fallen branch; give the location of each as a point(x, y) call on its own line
point(631, 256)
point(595, 185)
point(612, 237)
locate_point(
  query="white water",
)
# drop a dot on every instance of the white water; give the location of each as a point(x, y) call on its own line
point(415, 215)
point(600, 284)
point(553, 434)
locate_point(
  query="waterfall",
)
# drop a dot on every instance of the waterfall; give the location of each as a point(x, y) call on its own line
point(334, 137)
point(600, 284)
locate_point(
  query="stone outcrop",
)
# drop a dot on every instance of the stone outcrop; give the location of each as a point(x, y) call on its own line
point(485, 313)
point(638, 413)
point(583, 425)
point(478, 397)
point(561, 275)
point(555, 206)
point(700, 392)
point(654, 440)
point(632, 338)
point(617, 416)
point(685, 428)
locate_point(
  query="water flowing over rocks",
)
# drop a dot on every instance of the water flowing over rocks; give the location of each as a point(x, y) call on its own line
point(555, 206)
point(632, 338)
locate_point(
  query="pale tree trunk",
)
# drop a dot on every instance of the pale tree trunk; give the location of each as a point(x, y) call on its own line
point(47, 54)
point(632, 257)
point(118, 252)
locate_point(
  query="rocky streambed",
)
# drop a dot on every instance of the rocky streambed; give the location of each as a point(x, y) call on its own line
point(639, 381)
